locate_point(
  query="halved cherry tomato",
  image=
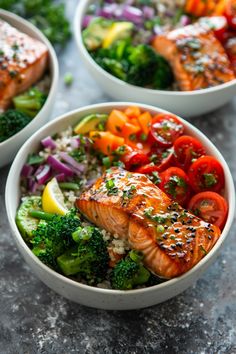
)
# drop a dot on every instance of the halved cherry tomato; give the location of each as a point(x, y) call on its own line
point(134, 159)
point(165, 129)
point(151, 171)
point(230, 13)
point(175, 183)
point(162, 158)
point(206, 173)
point(187, 149)
point(209, 206)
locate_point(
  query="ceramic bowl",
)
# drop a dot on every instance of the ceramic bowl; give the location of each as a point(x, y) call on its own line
point(97, 297)
point(185, 104)
point(9, 147)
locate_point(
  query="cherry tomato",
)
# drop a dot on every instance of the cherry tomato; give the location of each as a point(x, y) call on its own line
point(211, 207)
point(206, 173)
point(151, 171)
point(174, 182)
point(134, 159)
point(165, 129)
point(186, 149)
point(230, 13)
point(161, 158)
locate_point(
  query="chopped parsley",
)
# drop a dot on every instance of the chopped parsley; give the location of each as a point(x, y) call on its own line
point(111, 188)
point(209, 179)
point(128, 193)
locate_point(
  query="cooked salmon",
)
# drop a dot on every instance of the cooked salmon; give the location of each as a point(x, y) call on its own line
point(23, 61)
point(197, 58)
point(171, 239)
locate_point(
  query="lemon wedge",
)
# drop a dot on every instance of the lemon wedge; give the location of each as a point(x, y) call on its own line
point(119, 30)
point(53, 199)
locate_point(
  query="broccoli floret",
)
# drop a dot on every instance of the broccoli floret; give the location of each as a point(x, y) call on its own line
point(30, 102)
point(163, 76)
point(129, 272)
point(143, 63)
point(89, 259)
point(53, 238)
point(11, 122)
point(113, 66)
point(147, 68)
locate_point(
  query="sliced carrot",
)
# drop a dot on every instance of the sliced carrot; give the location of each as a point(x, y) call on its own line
point(116, 121)
point(190, 6)
point(106, 142)
point(145, 121)
point(133, 112)
point(201, 8)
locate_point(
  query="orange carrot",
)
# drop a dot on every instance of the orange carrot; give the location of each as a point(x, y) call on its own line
point(116, 121)
point(106, 142)
point(145, 121)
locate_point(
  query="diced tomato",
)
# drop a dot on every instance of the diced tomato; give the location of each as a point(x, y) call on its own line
point(175, 183)
point(187, 149)
point(165, 129)
point(106, 142)
point(145, 122)
point(134, 159)
point(116, 121)
point(211, 207)
point(206, 174)
point(162, 158)
point(132, 112)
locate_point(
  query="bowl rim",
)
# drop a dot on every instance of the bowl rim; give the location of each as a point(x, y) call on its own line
point(53, 66)
point(14, 173)
point(79, 13)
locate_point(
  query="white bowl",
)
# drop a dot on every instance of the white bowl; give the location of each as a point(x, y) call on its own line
point(186, 104)
point(9, 147)
point(96, 297)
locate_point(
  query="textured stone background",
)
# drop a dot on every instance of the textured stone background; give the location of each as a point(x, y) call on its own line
point(33, 319)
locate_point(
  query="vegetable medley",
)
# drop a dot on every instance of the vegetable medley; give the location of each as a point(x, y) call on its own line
point(122, 38)
point(70, 162)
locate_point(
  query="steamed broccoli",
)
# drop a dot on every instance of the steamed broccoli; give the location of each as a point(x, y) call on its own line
point(147, 68)
point(89, 258)
point(11, 122)
point(53, 238)
point(30, 102)
point(138, 65)
point(129, 272)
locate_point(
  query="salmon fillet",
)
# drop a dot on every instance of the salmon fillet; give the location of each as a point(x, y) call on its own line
point(23, 61)
point(171, 239)
point(197, 58)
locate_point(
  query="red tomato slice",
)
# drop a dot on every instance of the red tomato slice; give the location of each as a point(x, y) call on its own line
point(187, 149)
point(211, 207)
point(174, 182)
point(151, 171)
point(165, 129)
point(206, 173)
point(230, 13)
point(161, 158)
point(134, 159)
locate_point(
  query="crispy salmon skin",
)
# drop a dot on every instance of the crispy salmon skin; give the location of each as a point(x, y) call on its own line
point(197, 58)
point(23, 61)
point(171, 239)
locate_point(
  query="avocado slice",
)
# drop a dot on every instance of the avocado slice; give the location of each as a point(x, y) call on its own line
point(26, 224)
point(90, 122)
point(118, 31)
point(96, 32)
